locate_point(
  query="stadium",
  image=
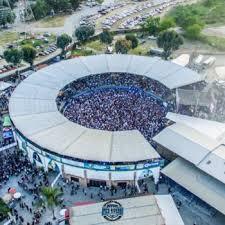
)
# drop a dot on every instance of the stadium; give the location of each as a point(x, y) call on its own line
point(97, 119)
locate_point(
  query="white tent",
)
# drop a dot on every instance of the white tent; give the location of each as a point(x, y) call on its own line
point(182, 60)
point(4, 85)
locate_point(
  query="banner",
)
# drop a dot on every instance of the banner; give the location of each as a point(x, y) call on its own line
point(73, 163)
point(122, 167)
point(149, 165)
point(7, 134)
point(96, 166)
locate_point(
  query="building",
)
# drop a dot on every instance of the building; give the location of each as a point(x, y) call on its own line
point(200, 167)
point(144, 210)
point(90, 156)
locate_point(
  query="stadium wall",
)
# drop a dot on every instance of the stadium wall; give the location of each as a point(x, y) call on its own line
point(87, 173)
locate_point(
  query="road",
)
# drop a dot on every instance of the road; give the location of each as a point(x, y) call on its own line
point(69, 26)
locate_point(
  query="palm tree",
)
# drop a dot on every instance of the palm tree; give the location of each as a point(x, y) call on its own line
point(4, 210)
point(51, 198)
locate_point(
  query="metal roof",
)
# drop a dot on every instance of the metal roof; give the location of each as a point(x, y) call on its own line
point(144, 210)
point(197, 182)
point(212, 129)
point(186, 142)
point(199, 141)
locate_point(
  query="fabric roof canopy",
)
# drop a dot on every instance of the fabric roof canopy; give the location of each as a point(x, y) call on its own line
point(34, 112)
point(6, 121)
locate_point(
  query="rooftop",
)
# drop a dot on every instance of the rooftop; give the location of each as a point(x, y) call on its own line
point(144, 210)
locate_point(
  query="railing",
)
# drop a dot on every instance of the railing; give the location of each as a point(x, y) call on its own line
point(8, 146)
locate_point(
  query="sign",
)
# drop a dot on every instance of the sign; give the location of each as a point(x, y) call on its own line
point(152, 164)
point(96, 166)
point(148, 165)
point(112, 211)
point(122, 167)
point(73, 163)
point(7, 134)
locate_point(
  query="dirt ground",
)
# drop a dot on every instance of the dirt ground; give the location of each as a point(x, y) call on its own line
point(215, 31)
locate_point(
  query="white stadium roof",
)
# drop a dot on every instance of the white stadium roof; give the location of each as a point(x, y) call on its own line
point(144, 210)
point(197, 182)
point(34, 112)
point(199, 141)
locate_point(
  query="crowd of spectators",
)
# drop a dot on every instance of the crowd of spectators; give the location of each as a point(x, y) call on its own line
point(6, 142)
point(116, 102)
point(12, 163)
point(4, 99)
point(116, 109)
point(116, 79)
point(29, 208)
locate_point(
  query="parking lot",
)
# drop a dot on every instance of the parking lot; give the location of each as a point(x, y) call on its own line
point(127, 15)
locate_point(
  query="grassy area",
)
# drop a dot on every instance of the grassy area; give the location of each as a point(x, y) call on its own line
point(96, 45)
point(56, 21)
point(140, 50)
point(8, 37)
point(100, 1)
point(36, 42)
point(216, 42)
point(32, 42)
point(81, 52)
point(209, 11)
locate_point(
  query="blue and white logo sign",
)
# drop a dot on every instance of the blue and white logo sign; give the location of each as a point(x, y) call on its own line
point(112, 211)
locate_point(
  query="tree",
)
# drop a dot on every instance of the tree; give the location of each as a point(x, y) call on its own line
point(193, 31)
point(132, 38)
point(169, 41)
point(29, 54)
point(4, 210)
point(83, 33)
point(51, 198)
point(209, 3)
point(6, 16)
point(9, 3)
point(186, 16)
point(40, 9)
point(13, 56)
point(63, 41)
point(75, 3)
point(151, 26)
point(59, 5)
point(122, 46)
point(166, 23)
point(64, 5)
point(106, 37)
point(12, 3)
